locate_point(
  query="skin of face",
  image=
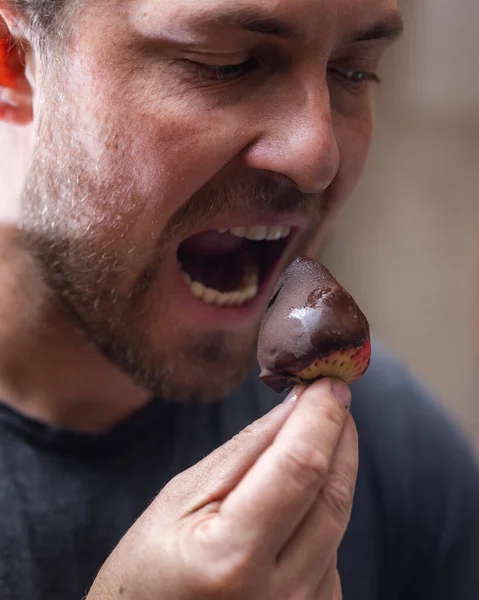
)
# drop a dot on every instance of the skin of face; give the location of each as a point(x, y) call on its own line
point(142, 141)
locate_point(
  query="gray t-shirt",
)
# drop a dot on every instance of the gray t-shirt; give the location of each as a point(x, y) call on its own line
point(66, 499)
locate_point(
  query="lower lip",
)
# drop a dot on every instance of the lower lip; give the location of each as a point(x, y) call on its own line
point(212, 315)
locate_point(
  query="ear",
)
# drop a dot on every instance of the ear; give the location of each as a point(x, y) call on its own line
point(16, 94)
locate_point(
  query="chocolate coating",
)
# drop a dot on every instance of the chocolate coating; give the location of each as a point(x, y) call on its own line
point(310, 315)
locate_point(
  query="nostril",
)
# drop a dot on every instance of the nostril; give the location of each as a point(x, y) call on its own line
point(306, 157)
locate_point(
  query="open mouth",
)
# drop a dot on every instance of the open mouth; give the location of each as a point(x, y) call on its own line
point(226, 268)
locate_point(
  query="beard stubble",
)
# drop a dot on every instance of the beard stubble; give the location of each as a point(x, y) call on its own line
point(81, 228)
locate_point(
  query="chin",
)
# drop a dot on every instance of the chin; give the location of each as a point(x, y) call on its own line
point(206, 388)
point(199, 368)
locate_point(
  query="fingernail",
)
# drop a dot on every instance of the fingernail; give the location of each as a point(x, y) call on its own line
point(294, 394)
point(342, 392)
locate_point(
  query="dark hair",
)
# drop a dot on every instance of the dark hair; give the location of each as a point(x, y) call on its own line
point(44, 16)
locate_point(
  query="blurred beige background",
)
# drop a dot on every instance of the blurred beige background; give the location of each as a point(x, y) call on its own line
point(407, 244)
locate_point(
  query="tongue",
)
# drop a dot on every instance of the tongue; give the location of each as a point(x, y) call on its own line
point(212, 243)
point(217, 260)
point(222, 274)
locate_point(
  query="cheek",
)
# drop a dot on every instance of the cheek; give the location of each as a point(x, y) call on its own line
point(353, 134)
point(162, 147)
point(354, 140)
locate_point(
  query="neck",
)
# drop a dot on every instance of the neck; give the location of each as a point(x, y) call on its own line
point(48, 369)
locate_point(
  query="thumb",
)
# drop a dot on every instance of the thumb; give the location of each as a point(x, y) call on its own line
point(213, 478)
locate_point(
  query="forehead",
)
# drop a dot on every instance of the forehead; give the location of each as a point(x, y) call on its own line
point(302, 18)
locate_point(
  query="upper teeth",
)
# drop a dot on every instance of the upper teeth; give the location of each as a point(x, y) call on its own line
point(259, 232)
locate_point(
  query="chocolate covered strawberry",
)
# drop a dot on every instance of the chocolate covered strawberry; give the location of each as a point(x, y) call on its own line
point(312, 328)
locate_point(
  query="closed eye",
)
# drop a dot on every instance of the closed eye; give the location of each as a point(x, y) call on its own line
point(352, 78)
point(224, 72)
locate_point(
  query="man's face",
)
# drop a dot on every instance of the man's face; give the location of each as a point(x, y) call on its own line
point(174, 137)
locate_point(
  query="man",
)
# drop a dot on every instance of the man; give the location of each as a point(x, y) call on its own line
point(183, 153)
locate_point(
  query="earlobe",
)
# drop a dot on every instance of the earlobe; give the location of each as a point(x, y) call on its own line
point(16, 102)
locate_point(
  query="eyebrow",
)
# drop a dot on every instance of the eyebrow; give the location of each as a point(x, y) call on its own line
point(255, 22)
point(388, 27)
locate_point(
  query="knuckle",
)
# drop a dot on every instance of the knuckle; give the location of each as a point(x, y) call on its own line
point(169, 492)
point(353, 430)
point(227, 576)
point(334, 414)
point(242, 439)
point(175, 489)
point(338, 497)
point(305, 464)
point(249, 432)
point(214, 565)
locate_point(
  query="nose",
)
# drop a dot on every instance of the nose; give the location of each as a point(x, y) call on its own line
point(297, 140)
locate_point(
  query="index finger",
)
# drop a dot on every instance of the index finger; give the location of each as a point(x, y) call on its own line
point(268, 504)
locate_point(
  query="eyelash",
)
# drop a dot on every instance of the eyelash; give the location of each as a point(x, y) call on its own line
point(350, 77)
point(225, 72)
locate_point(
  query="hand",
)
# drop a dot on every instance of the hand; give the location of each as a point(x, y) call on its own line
point(260, 518)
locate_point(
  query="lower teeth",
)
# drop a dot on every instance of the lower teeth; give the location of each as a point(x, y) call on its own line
point(247, 292)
